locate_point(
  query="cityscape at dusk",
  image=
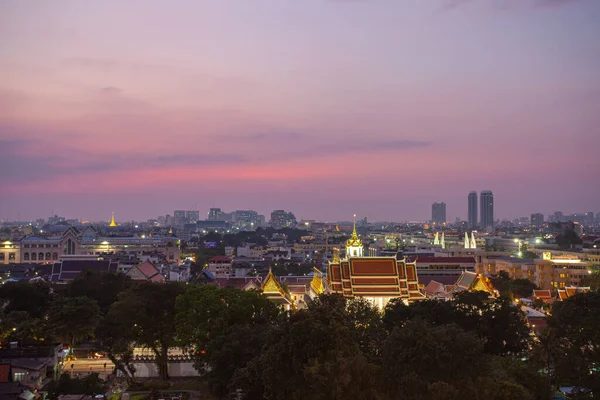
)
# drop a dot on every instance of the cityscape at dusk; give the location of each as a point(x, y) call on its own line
point(300, 199)
point(325, 107)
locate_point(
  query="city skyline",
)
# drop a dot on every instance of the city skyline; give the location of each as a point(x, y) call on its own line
point(327, 108)
point(207, 216)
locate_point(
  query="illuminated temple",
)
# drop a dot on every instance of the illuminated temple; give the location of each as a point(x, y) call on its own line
point(378, 279)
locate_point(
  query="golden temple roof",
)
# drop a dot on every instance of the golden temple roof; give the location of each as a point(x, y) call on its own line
point(317, 281)
point(271, 285)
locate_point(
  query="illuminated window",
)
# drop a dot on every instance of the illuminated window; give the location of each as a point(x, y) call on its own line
point(19, 376)
point(562, 285)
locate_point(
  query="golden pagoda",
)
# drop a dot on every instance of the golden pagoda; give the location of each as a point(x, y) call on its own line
point(354, 246)
point(112, 220)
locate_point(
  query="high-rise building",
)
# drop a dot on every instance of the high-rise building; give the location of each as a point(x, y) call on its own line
point(247, 219)
point(179, 217)
point(282, 219)
point(215, 214)
point(472, 213)
point(589, 218)
point(192, 216)
point(537, 220)
point(438, 213)
point(486, 205)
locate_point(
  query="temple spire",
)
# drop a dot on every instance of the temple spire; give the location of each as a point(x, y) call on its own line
point(473, 242)
point(354, 246)
point(436, 239)
point(112, 220)
point(443, 242)
point(467, 244)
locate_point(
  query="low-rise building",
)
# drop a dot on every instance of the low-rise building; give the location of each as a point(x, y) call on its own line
point(220, 266)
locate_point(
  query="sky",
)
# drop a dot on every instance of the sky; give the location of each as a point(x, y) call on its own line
point(327, 108)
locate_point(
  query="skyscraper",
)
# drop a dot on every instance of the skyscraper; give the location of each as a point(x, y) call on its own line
point(438, 213)
point(487, 209)
point(472, 213)
point(537, 220)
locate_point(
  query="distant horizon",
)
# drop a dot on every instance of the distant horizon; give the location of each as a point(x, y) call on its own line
point(326, 108)
point(348, 218)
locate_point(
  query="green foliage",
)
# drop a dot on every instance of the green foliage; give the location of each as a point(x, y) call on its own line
point(499, 324)
point(145, 314)
point(224, 328)
point(34, 298)
point(156, 385)
point(292, 268)
point(89, 385)
point(592, 280)
point(20, 326)
point(100, 286)
point(73, 319)
point(419, 357)
point(513, 288)
point(313, 354)
point(575, 325)
point(568, 239)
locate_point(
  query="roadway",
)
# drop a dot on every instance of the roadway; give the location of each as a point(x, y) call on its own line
point(102, 366)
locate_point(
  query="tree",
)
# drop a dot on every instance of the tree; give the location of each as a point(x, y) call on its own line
point(313, 354)
point(34, 298)
point(576, 324)
point(435, 312)
point(497, 322)
point(592, 280)
point(19, 326)
point(419, 355)
point(101, 286)
point(224, 329)
point(90, 385)
point(567, 239)
point(73, 319)
point(145, 315)
point(500, 324)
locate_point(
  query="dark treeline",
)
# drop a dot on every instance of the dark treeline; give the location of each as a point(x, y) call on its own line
point(337, 348)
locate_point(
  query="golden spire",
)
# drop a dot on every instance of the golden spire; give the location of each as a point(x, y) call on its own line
point(112, 220)
point(354, 240)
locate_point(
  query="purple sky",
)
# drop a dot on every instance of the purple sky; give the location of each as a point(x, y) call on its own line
point(323, 107)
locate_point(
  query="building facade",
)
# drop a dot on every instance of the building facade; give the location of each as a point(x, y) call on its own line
point(487, 209)
point(71, 242)
point(472, 209)
point(537, 220)
point(438, 213)
point(377, 279)
point(282, 219)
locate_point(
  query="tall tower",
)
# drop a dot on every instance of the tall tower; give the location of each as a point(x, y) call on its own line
point(472, 213)
point(438, 213)
point(487, 209)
